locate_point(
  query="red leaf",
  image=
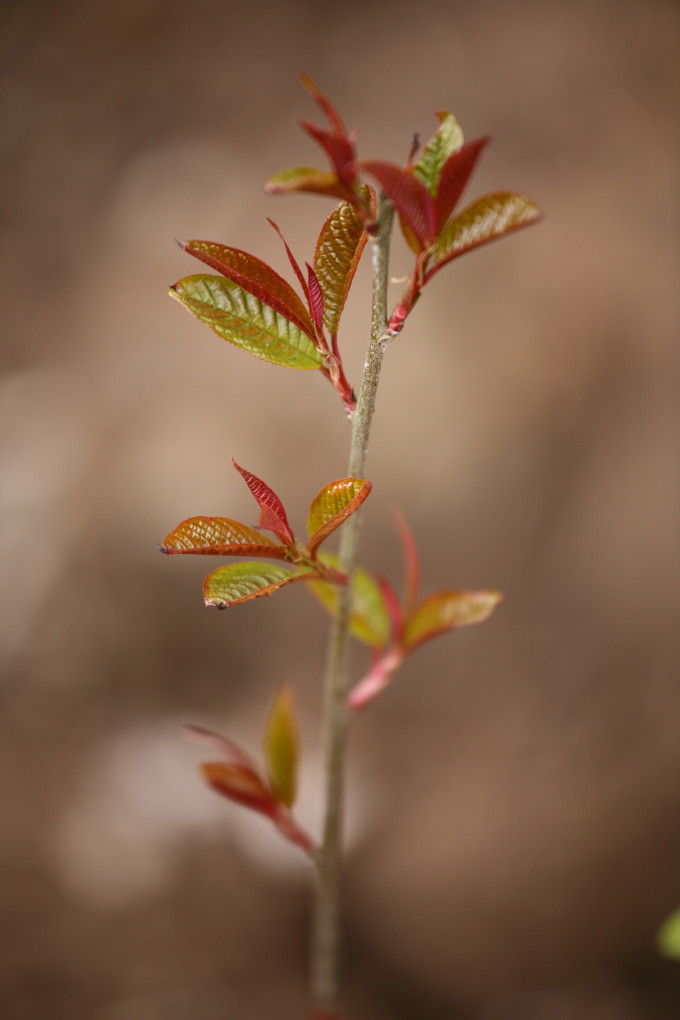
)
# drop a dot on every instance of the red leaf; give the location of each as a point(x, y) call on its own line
point(255, 276)
point(325, 104)
point(240, 784)
point(291, 258)
point(273, 516)
point(455, 174)
point(411, 199)
point(410, 561)
point(316, 304)
point(216, 742)
point(339, 150)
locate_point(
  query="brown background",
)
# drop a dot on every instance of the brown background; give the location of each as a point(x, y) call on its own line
point(515, 797)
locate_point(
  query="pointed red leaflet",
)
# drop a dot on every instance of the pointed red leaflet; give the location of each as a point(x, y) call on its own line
point(316, 302)
point(455, 174)
point(324, 104)
point(273, 516)
point(291, 258)
point(410, 562)
point(339, 150)
point(255, 276)
point(410, 197)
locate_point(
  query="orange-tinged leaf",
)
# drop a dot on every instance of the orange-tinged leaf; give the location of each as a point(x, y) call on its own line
point(234, 754)
point(273, 515)
point(485, 220)
point(305, 178)
point(281, 748)
point(324, 103)
point(338, 250)
point(240, 582)
point(370, 619)
point(447, 139)
point(240, 784)
point(255, 276)
point(219, 536)
point(332, 505)
point(447, 610)
point(246, 321)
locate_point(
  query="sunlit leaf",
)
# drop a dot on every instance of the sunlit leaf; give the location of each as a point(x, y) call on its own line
point(273, 515)
point(455, 174)
point(668, 936)
point(485, 220)
point(240, 784)
point(332, 505)
point(446, 140)
point(445, 611)
point(338, 250)
point(370, 620)
point(240, 582)
point(246, 321)
point(410, 198)
point(219, 536)
point(305, 178)
point(281, 748)
point(256, 277)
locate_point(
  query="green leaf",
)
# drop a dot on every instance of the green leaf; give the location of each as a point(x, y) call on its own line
point(332, 505)
point(370, 619)
point(281, 748)
point(240, 582)
point(668, 936)
point(447, 139)
point(338, 250)
point(447, 610)
point(246, 321)
point(219, 536)
point(305, 178)
point(485, 220)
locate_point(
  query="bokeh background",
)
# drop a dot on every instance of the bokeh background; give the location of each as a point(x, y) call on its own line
point(514, 838)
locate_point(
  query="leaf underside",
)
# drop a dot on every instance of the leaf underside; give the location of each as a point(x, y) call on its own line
point(219, 536)
point(246, 321)
point(241, 582)
point(273, 515)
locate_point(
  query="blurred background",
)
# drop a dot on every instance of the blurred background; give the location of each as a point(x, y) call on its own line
point(514, 838)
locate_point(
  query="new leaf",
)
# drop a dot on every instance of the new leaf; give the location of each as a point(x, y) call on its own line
point(281, 748)
point(240, 582)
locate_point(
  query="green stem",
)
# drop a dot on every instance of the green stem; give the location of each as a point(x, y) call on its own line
point(326, 934)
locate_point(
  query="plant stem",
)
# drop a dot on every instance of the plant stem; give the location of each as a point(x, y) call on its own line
point(326, 934)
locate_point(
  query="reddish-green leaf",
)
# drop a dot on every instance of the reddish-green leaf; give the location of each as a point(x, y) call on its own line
point(447, 610)
point(324, 104)
point(246, 321)
point(447, 139)
point(305, 178)
point(240, 784)
point(338, 250)
point(219, 536)
point(370, 619)
point(485, 220)
point(316, 302)
point(234, 754)
point(455, 174)
point(273, 516)
point(256, 277)
point(240, 582)
point(281, 748)
point(339, 150)
point(411, 199)
point(332, 505)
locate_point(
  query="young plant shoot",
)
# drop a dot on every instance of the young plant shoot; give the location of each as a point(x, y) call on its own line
point(247, 303)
